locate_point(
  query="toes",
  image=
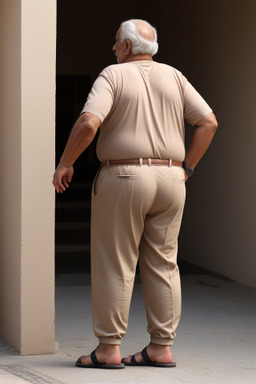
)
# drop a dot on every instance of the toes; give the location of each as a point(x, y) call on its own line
point(85, 359)
point(138, 358)
point(127, 359)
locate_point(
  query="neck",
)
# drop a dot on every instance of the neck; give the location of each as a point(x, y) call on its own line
point(139, 57)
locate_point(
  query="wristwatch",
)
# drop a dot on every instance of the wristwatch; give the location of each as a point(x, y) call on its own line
point(189, 171)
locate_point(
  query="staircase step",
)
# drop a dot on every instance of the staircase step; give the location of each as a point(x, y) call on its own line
point(73, 205)
point(72, 248)
point(73, 215)
point(72, 259)
point(72, 225)
point(72, 236)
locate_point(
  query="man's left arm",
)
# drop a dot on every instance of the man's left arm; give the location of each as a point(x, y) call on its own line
point(204, 132)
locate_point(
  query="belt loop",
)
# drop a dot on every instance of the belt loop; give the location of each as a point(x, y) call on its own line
point(140, 161)
point(149, 162)
point(107, 163)
point(170, 162)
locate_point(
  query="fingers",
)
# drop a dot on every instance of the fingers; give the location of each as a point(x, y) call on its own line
point(61, 185)
point(62, 177)
point(65, 181)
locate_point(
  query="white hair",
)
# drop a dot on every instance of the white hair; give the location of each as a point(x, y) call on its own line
point(139, 44)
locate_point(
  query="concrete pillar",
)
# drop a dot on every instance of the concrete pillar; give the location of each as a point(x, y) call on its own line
point(27, 128)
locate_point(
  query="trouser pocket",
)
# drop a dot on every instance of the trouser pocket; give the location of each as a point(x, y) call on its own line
point(95, 182)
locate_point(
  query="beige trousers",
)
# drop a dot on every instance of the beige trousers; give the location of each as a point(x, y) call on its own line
point(136, 215)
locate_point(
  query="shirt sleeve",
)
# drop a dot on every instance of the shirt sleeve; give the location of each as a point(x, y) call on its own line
point(100, 98)
point(195, 107)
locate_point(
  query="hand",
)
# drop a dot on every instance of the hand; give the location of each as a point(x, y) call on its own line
point(62, 177)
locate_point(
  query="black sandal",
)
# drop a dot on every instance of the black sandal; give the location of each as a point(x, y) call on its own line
point(97, 364)
point(147, 361)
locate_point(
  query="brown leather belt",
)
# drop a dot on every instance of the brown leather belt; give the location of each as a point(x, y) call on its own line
point(141, 161)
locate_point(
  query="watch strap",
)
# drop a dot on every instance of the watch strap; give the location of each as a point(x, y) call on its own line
point(189, 171)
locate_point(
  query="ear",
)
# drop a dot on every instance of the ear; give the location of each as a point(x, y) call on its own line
point(128, 46)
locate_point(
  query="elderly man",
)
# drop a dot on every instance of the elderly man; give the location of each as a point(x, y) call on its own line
point(139, 193)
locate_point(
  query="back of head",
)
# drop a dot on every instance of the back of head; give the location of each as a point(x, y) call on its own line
point(142, 36)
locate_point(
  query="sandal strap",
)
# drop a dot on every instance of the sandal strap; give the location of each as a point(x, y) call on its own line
point(145, 356)
point(133, 360)
point(94, 358)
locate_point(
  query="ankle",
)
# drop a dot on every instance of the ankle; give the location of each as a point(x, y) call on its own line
point(159, 346)
point(160, 353)
point(109, 353)
point(159, 350)
point(108, 348)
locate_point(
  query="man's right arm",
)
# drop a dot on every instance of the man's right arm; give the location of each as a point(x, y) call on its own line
point(80, 137)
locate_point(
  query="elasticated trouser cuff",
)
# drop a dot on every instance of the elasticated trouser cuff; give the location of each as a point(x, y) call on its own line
point(160, 341)
point(155, 340)
point(109, 340)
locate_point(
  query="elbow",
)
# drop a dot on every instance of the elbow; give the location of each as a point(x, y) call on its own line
point(208, 123)
point(89, 124)
point(213, 123)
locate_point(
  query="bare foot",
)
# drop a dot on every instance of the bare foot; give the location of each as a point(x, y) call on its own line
point(157, 353)
point(106, 354)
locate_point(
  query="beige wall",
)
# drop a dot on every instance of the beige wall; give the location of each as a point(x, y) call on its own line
point(219, 222)
point(213, 44)
point(27, 121)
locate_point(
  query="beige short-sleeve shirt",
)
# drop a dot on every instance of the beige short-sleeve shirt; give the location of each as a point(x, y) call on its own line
point(142, 106)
